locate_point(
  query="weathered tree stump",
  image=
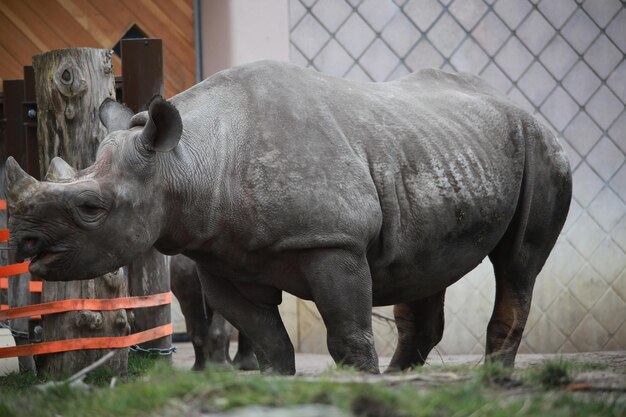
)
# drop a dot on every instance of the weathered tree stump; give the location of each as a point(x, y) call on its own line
point(71, 85)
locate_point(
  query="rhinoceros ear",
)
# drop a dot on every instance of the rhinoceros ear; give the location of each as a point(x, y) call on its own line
point(163, 128)
point(16, 181)
point(114, 116)
point(59, 171)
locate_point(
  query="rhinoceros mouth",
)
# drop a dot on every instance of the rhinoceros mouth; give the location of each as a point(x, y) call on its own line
point(45, 258)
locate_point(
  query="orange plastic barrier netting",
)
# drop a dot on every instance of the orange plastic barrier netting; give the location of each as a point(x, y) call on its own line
point(4, 307)
point(4, 235)
point(14, 269)
point(33, 286)
point(87, 304)
point(56, 346)
point(3, 204)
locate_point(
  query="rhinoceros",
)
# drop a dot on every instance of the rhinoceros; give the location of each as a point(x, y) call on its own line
point(278, 178)
point(208, 331)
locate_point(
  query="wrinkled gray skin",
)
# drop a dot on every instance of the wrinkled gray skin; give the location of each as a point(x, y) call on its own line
point(277, 178)
point(207, 329)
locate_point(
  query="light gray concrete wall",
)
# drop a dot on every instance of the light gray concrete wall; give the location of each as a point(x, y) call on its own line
point(235, 32)
point(563, 60)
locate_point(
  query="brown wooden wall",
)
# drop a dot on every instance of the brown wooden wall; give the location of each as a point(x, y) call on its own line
point(28, 27)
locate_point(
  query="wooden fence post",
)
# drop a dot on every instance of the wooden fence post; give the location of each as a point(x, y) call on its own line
point(29, 118)
point(142, 79)
point(18, 294)
point(71, 85)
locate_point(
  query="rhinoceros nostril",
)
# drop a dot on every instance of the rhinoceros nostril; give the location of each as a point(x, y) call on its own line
point(29, 244)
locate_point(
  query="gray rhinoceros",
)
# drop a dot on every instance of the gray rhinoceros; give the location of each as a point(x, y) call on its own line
point(208, 331)
point(278, 178)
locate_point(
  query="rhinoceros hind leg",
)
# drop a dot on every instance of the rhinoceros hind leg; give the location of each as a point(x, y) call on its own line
point(516, 271)
point(420, 328)
point(512, 305)
point(245, 359)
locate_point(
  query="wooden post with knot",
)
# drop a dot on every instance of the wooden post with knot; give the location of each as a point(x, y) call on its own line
point(71, 84)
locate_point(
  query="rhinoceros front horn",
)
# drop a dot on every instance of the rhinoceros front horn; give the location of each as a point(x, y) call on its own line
point(16, 181)
point(59, 171)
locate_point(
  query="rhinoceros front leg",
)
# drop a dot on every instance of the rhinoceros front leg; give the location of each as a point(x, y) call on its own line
point(341, 285)
point(260, 323)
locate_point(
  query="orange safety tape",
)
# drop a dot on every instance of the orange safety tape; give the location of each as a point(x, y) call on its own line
point(14, 269)
point(4, 235)
point(87, 304)
point(6, 307)
point(36, 286)
point(116, 342)
point(3, 204)
point(33, 286)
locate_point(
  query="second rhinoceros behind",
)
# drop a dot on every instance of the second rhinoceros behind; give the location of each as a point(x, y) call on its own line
point(208, 332)
point(277, 178)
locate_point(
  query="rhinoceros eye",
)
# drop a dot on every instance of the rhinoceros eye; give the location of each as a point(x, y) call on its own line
point(90, 208)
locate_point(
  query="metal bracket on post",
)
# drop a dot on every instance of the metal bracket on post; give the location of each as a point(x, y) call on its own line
point(30, 114)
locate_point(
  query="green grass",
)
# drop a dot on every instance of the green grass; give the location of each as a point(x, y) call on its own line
point(138, 365)
point(493, 373)
point(551, 374)
point(154, 386)
point(558, 372)
point(18, 382)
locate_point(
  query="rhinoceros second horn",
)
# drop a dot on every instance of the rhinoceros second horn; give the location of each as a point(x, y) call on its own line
point(59, 170)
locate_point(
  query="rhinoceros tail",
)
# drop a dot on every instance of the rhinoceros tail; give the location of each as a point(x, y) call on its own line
point(526, 190)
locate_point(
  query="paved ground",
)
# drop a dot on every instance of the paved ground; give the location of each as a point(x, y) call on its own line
point(311, 364)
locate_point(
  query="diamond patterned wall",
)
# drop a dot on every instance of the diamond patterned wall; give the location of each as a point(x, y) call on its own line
point(562, 60)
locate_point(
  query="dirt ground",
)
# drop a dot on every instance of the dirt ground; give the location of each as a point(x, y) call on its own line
point(312, 364)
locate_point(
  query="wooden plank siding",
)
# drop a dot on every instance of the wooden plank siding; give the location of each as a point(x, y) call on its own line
point(28, 27)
